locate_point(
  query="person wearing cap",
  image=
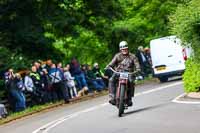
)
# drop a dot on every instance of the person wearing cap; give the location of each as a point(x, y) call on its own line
point(99, 75)
point(123, 61)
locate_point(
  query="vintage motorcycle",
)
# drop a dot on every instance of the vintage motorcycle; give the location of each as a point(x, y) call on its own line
point(122, 89)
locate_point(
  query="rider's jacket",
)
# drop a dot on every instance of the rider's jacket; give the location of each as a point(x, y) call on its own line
point(127, 62)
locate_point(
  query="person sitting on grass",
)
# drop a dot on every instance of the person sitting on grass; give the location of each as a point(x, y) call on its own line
point(93, 80)
point(99, 75)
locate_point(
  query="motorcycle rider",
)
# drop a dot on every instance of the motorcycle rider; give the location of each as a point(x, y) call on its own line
point(123, 61)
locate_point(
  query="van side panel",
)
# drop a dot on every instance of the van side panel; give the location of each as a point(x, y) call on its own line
point(167, 56)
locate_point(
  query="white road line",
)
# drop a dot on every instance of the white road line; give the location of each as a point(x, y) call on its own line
point(176, 100)
point(45, 128)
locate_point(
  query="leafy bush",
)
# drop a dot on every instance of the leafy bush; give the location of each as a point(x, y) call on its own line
point(191, 76)
point(185, 23)
point(2, 89)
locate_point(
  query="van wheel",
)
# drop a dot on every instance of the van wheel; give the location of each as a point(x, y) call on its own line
point(163, 79)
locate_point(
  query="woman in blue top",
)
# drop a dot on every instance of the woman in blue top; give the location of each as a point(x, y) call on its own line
point(79, 76)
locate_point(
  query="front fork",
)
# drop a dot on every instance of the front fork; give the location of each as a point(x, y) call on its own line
point(125, 82)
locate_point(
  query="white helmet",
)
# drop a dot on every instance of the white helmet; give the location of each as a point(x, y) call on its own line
point(123, 45)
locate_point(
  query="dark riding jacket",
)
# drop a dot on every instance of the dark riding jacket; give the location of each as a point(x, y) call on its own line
point(127, 62)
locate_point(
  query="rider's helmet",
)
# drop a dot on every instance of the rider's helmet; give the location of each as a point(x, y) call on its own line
point(123, 45)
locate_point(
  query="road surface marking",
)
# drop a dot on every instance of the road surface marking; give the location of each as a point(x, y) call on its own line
point(45, 128)
point(158, 89)
point(176, 100)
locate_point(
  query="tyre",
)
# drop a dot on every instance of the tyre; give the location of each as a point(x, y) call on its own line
point(121, 100)
point(163, 79)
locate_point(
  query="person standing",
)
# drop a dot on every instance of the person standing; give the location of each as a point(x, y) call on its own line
point(79, 76)
point(69, 82)
point(144, 63)
point(57, 77)
point(16, 87)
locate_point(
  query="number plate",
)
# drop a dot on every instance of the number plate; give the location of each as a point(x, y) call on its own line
point(124, 75)
point(160, 68)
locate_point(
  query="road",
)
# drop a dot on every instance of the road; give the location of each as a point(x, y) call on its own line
point(153, 112)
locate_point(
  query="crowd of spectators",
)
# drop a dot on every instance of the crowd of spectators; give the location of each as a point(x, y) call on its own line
point(47, 82)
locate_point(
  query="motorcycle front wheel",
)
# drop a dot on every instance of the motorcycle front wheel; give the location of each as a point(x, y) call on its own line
point(121, 100)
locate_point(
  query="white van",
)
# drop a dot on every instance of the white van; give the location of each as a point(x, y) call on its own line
point(168, 57)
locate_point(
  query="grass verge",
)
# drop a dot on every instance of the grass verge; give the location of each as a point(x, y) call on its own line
point(40, 108)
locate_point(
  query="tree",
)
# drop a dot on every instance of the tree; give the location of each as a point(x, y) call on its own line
point(185, 23)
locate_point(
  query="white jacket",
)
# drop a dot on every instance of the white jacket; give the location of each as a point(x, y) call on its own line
point(69, 79)
point(28, 83)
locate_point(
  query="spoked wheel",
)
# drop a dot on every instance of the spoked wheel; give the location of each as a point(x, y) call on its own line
point(121, 100)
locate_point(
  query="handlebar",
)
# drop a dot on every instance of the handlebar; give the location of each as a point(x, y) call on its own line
point(120, 72)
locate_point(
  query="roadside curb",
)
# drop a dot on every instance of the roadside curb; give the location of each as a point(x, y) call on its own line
point(193, 95)
point(187, 99)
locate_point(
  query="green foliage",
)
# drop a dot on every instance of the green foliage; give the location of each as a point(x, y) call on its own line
point(12, 60)
point(62, 29)
point(83, 46)
point(191, 76)
point(2, 89)
point(143, 21)
point(185, 23)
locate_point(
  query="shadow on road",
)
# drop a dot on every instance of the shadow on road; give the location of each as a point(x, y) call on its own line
point(173, 79)
point(146, 109)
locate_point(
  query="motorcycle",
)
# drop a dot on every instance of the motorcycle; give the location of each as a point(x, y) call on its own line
point(121, 92)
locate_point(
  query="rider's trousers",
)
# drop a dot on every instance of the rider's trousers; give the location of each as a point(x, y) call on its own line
point(113, 83)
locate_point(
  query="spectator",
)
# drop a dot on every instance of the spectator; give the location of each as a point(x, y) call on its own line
point(84, 69)
point(45, 83)
point(148, 55)
point(38, 67)
point(16, 87)
point(76, 72)
point(48, 65)
point(8, 79)
point(3, 111)
point(97, 71)
point(99, 74)
point(143, 61)
point(70, 82)
point(7, 76)
point(28, 83)
point(59, 66)
point(96, 83)
point(35, 77)
point(57, 78)
point(30, 88)
point(38, 92)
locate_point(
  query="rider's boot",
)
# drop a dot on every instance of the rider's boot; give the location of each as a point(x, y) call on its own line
point(129, 102)
point(112, 100)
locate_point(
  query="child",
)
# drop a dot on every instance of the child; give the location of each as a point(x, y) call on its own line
point(70, 81)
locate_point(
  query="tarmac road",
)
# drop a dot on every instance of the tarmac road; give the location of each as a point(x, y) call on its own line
point(152, 112)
